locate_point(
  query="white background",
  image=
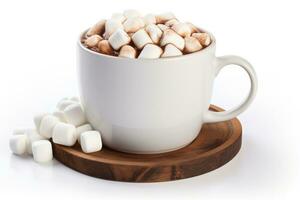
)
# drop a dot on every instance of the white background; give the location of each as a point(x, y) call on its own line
point(38, 67)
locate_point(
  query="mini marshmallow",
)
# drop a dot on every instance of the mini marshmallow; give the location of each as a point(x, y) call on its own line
point(191, 45)
point(63, 104)
point(38, 118)
point(105, 48)
point(141, 38)
point(42, 151)
point(151, 51)
point(60, 115)
point(64, 134)
point(130, 13)
point(171, 51)
point(32, 136)
point(47, 124)
point(171, 22)
point(97, 29)
point(75, 98)
point(182, 29)
point(162, 27)
point(91, 141)
point(203, 38)
point(75, 115)
point(81, 129)
point(170, 37)
point(132, 25)
point(118, 39)
point(162, 18)
point(111, 26)
point(193, 28)
point(119, 17)
point(149, 19)
point(18, 144)
point(127, 51)
point(93, 41)
point(154, 32)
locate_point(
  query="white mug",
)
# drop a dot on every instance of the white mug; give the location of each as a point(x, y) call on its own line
point(150, 106)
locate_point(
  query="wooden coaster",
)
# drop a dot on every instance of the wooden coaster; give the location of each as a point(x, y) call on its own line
point(216, 144)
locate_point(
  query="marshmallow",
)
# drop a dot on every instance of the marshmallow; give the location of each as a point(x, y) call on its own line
point(171, 51)
point(60, 115)
point(118, 39)
point(111, 26)
point(182, 29)
point(81, 129)
point(119, 17)
point(193, 28)
point(93, 41)
point(127, 51)
point(47, 124)
point(170, 37)
point(75, 115)
point(97, 29)
point(38, 118)
point(149, 19)
point(18, 144)
point(130, 13)
point(162, 27)
point(63, 104)
point(203, 38)
point(151, 51)
point(32, 136)
point(191, 45)
point(75, 98)
point(64, 134)
point(20, 131)
point(105, 48)
point(90, 141)
point(154, 32)
point(42, 151)
point(162, 18)
point(171, 22)
point(141, 38)
point(132, 25)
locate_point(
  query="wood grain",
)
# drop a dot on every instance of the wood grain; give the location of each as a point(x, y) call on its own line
point(216, 144)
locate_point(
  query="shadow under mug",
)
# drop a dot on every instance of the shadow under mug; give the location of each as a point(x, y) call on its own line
point(150, 106)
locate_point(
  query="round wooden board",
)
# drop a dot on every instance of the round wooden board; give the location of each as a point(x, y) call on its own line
point(216, 145)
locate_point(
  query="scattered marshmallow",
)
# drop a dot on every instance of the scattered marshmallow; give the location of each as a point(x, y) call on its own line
point(193, 28)
point(47, 124)
point(170, 37)
point(162, 27)
point(105, 48)
point(111, 26)
point(32, 136)
point(118, 39)
point(97, 29)
point(182, 29)
point(18, 144)
point(132, 25)
point(64, 134)
point(171, 51)
point(60, 115)
point(75, 115)
point(191, 45)
point(91, 141)
point(164, 17)
point(64, 103)
point(42, 151)
point(203, 38)
point(127, 51)
point(151, 51)
point(81, 129)
point(154, 32)
point(93, 41)
point(141, 38)
point(119, 17)
point(171, 22)
point(130, 13)
point(38, 118)
point(149, 19)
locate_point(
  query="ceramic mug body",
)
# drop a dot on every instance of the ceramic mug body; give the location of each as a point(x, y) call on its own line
point(151, 105)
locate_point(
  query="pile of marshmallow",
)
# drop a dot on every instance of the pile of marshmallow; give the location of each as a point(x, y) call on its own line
point(131, 35)
point(65, 126)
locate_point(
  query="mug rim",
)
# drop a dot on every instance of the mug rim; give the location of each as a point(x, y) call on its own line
point(206, 49)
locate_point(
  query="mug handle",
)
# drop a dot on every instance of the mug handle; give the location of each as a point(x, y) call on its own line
point(210, 116)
